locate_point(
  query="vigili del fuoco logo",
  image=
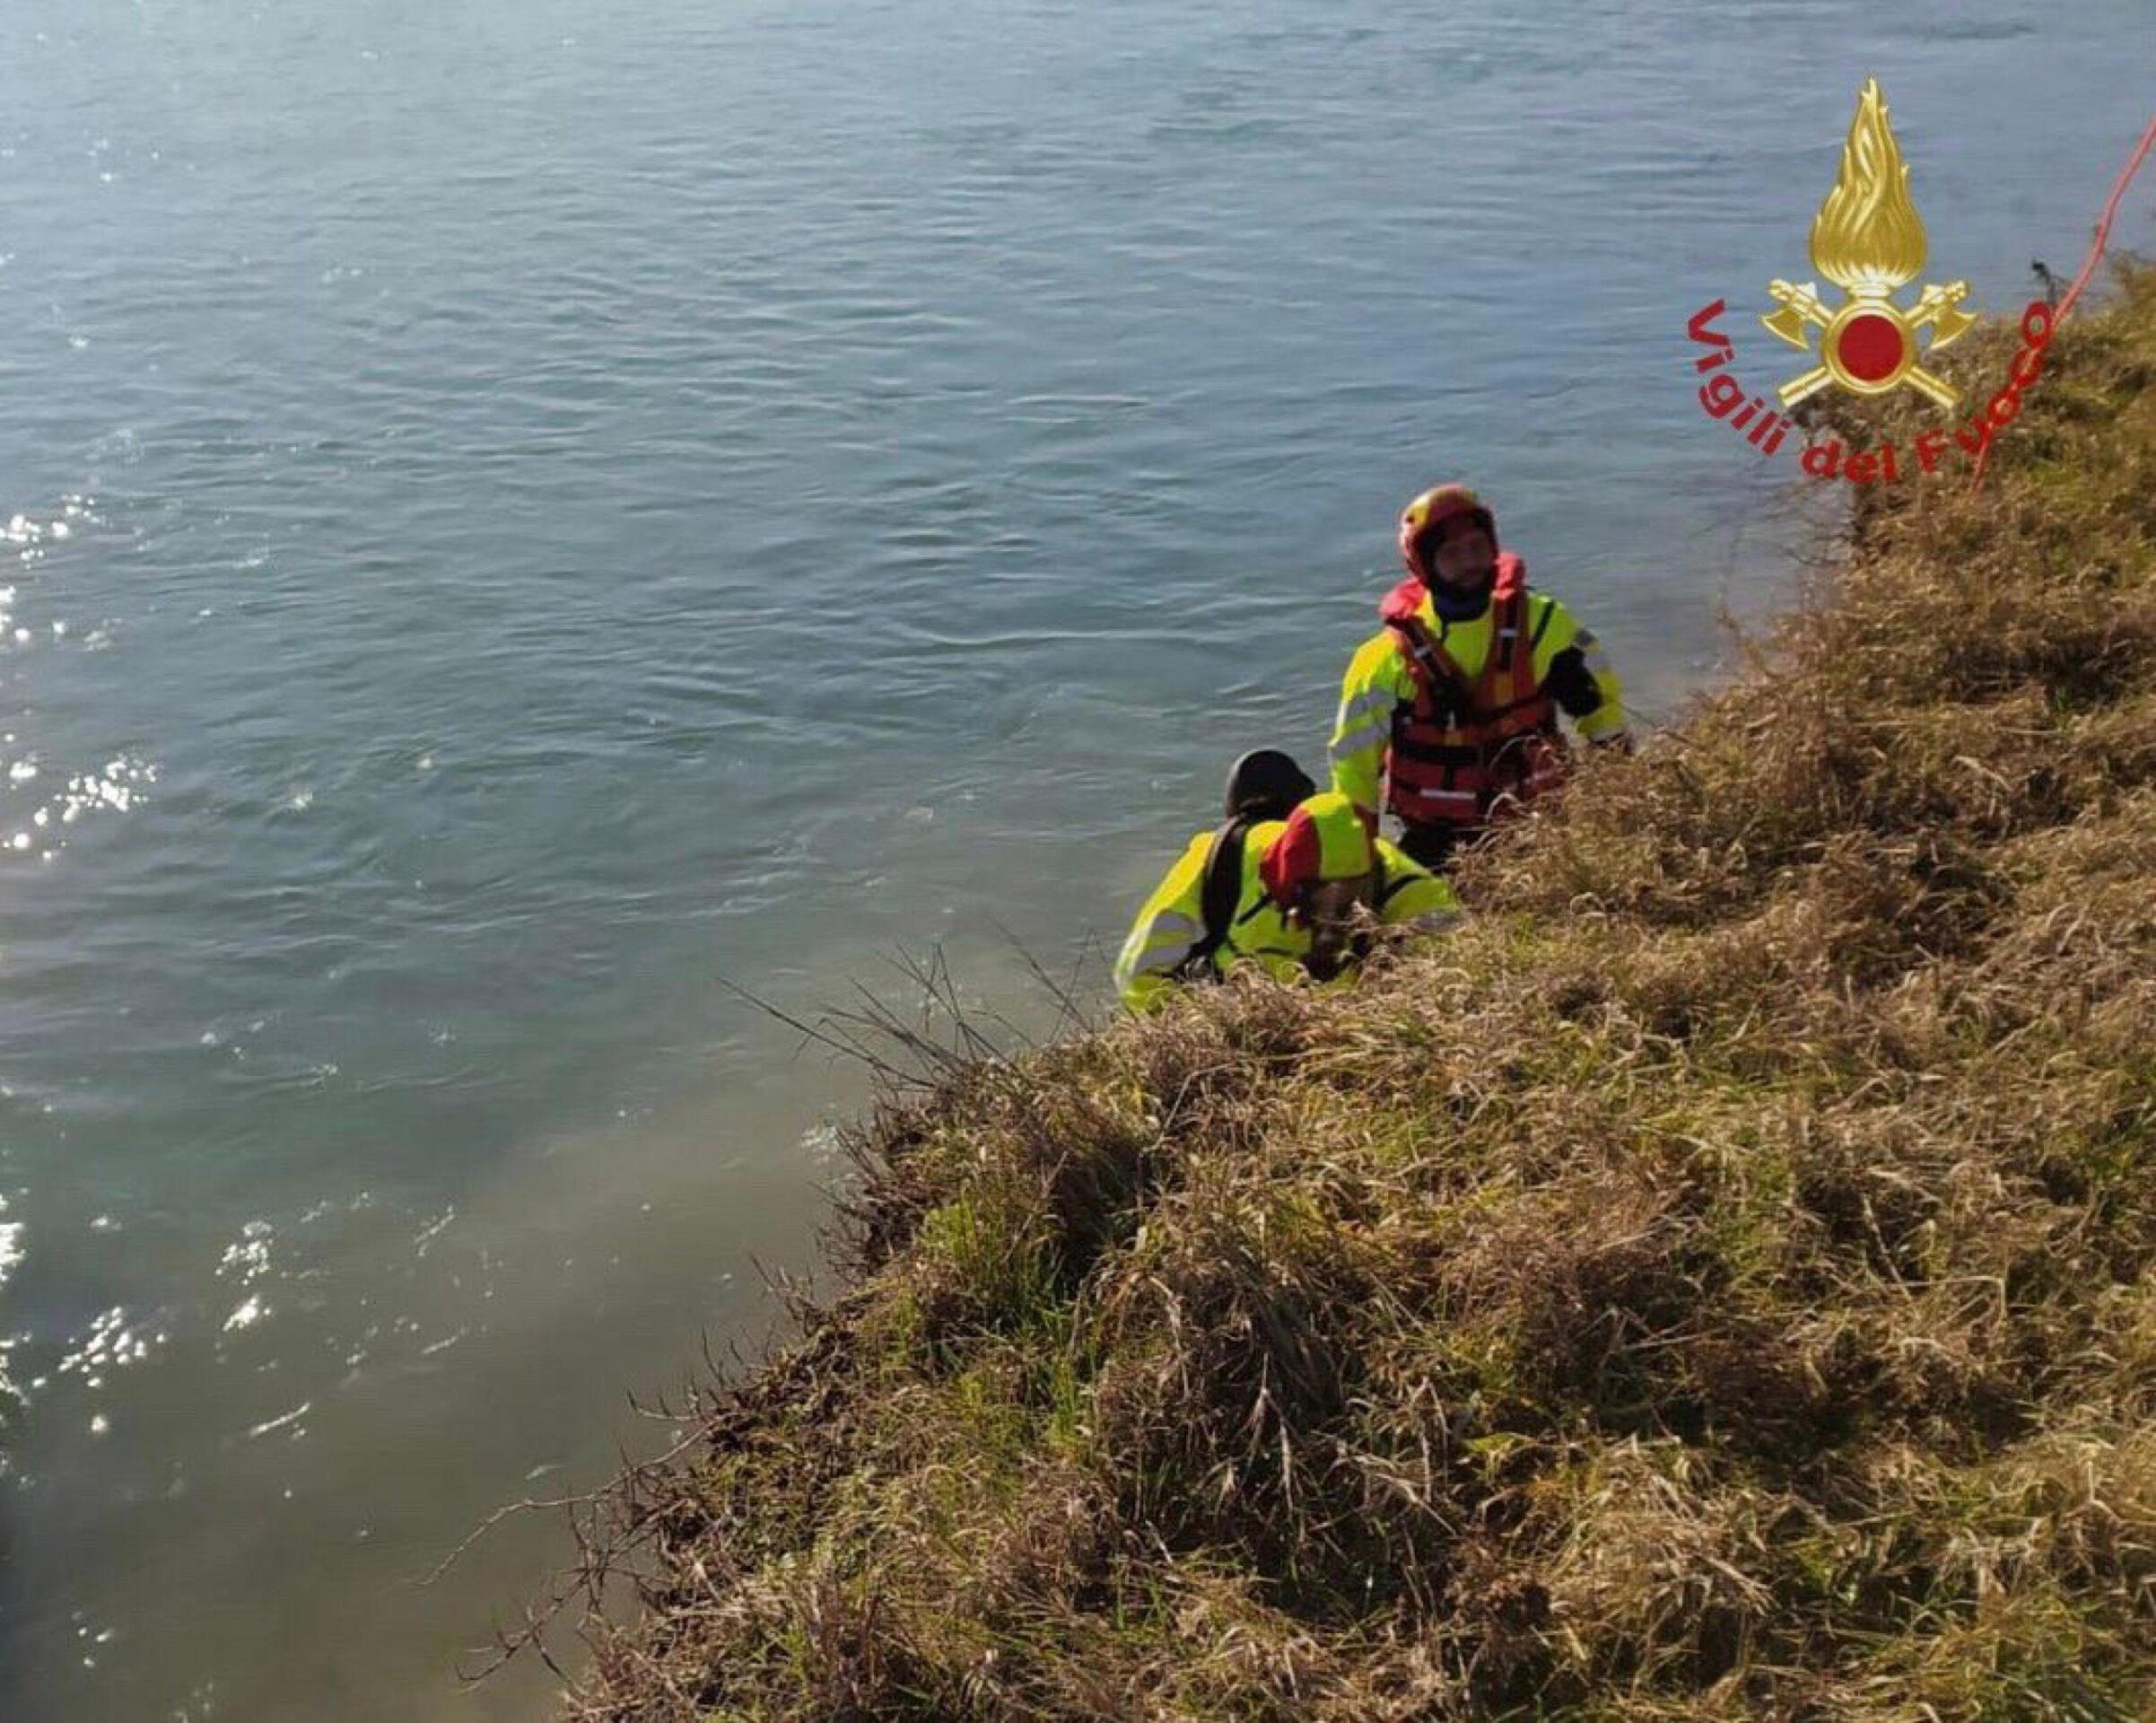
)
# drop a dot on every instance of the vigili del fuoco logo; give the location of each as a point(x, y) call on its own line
point(1868, 240)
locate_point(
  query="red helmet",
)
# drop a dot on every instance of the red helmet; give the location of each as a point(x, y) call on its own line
point(1326, 837)
point(1432, 510)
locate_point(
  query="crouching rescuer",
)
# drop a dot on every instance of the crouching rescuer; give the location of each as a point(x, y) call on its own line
point(1448, 715)
point(1292, 880)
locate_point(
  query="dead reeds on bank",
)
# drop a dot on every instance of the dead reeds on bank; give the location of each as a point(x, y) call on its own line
point(1713, 1281)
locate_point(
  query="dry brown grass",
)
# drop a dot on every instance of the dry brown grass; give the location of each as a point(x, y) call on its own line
point(1714, 1282)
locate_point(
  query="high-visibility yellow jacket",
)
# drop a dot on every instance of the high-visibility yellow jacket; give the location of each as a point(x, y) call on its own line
point(1569, 661)
point(1172, 920)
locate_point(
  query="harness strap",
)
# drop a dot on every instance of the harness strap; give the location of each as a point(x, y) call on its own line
point(1441, 671)
point(1505, 620)
point(1217, 899)
point(1465, 743)
point(1436, 665)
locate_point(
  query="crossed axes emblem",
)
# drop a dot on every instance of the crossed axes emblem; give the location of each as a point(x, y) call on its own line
point(1869, 345)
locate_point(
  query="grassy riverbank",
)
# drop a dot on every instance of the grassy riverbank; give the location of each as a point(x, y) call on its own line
point(1714, 1282)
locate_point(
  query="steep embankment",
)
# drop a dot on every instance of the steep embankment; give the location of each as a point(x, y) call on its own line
point(1717, 1282)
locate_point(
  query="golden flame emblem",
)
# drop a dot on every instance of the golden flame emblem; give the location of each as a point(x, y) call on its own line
point(1868, 239)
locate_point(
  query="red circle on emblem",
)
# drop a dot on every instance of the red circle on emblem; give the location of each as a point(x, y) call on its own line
point(1870, 347)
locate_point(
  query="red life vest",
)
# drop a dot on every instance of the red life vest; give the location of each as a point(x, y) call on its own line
point(1468, 751)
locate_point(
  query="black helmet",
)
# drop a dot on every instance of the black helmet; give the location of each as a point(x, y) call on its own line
point(1266, 784)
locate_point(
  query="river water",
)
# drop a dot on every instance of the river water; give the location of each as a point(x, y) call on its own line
point(525, 521)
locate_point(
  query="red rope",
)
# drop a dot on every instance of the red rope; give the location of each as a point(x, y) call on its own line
point(2096, 252)
point(2103, 227)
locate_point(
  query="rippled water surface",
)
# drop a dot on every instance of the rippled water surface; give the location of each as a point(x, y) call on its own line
point(520, 520)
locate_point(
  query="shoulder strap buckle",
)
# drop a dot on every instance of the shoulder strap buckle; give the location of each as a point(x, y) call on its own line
point(1441, 681)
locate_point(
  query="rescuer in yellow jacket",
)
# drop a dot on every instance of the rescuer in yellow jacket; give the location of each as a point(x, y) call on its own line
point(1448, 714)
point(1287, 893)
